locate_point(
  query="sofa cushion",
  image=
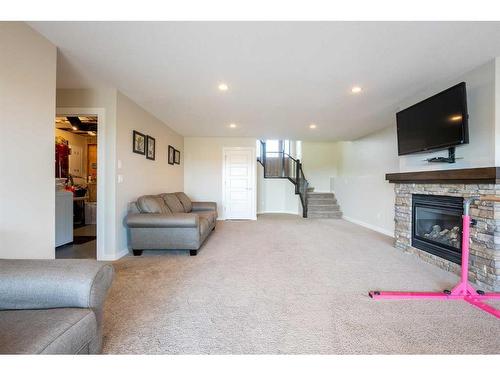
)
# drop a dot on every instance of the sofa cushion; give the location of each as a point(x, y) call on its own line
point(52, 331)
point(185, 201)
point(152, 204)
point(173, 202)
point(204, 206)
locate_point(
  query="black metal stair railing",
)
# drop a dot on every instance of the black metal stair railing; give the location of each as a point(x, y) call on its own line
point(279, 164)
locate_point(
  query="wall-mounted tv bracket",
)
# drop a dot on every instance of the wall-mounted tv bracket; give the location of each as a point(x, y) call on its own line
point(450, 159)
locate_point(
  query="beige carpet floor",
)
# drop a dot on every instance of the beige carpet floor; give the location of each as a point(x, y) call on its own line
point(287, 285)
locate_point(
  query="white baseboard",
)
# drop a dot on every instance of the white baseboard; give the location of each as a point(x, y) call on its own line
point(121, 254)
point(225, 218)
point(369, 226)
point(278, 212)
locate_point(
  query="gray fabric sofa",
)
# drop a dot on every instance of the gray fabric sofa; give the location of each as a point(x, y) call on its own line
point(169, 221)
point(52, 306)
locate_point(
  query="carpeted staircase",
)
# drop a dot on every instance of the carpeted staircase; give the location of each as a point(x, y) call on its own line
point(322, 206)
point(280, 164)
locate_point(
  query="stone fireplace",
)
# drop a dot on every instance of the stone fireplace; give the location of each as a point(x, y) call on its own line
point(428, 209)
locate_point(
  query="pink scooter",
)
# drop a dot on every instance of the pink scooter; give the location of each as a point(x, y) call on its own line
point(463, 290)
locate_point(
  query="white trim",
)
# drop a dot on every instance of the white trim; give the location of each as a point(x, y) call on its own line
point(279, 212)
point(369, 226)
point(101, 170)
point(120, 255)
point(254, 174)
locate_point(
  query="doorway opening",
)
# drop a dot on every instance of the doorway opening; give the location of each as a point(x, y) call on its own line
point(76, 171)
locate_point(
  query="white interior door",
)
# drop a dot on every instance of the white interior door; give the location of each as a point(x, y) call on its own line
point(239, 183)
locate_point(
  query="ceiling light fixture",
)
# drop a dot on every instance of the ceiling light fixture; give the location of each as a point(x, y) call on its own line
point(232, 126)
point(91, 133)
point(312, 126)
point(74, 128)
point(456, 118)
point(223, 87)
point(356, 90)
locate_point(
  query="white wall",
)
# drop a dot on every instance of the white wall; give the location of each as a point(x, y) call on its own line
point(497, 111)
point(364, 195)
point(276, 195)
point(480, 152)
point(27, 115)
point(319, 161)
point(203, 166)
point(140, 175)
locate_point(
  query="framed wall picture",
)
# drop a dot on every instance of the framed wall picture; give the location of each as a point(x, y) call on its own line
point(177, 157)
point(138, 143)
point(171, 155)
point(150, 148)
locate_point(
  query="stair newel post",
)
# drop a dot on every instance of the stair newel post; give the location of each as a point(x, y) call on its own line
point(264, 156)
point(304, 205)
point(297, 176)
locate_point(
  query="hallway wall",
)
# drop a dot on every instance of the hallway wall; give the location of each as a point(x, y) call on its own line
point(27, 115)
point(138, 175)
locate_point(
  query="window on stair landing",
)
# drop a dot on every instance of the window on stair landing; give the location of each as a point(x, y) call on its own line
point(286, 146)
point(274, 147)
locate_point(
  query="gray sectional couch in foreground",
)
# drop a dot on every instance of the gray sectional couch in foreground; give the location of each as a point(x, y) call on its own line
point(52, 306)
point(170, 221)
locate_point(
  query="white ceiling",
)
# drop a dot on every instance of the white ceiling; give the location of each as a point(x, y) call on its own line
point(282, 76)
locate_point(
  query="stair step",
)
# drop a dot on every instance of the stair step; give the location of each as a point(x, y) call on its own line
point(322, 207)
point(315, 195)
point(321, 202)
point(310, 189)
point(325, 215)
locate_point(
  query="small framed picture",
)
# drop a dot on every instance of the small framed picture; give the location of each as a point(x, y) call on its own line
point(139, 143)
point(171, 155)
point(150, 148)
point(177, 157)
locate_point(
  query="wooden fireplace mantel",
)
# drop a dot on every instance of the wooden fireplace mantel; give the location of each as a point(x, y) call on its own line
point(487, 175)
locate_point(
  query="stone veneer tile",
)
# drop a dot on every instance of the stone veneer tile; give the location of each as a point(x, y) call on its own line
point(484, 267)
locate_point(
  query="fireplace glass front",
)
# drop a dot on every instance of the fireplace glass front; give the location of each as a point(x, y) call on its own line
point(437, 225)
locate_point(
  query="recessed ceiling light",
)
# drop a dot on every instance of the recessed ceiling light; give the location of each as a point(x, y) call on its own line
point(356, 90)
point(232, 126)
point(91, 133)
point(312, 126)
point(223, 87)
point(74, 128)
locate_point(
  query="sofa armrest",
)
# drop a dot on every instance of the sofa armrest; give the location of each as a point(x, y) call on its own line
point(177, 220)
point(204, 206)
point(45, 284)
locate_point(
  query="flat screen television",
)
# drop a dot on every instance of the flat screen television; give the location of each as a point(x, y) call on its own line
point(438, 122)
